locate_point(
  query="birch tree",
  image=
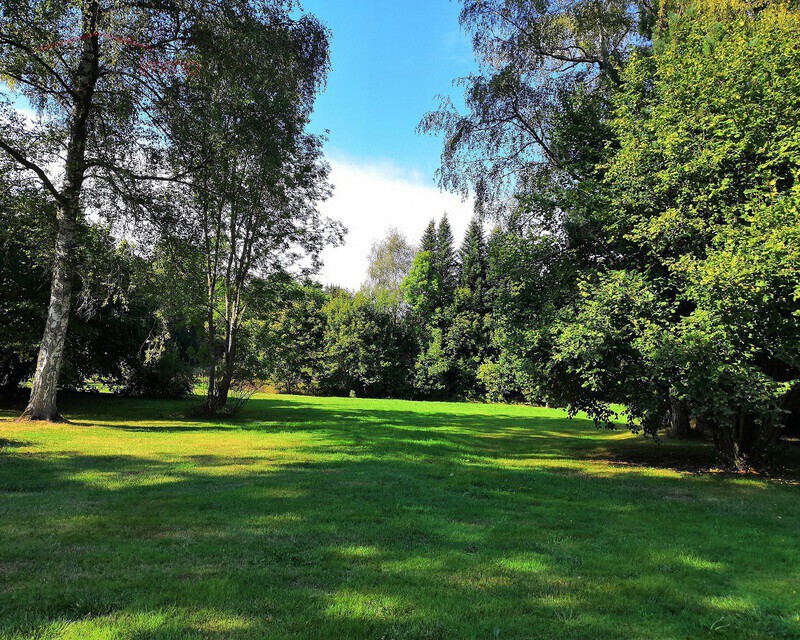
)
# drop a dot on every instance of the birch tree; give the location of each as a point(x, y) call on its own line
point(252, 207)
point(93, 72)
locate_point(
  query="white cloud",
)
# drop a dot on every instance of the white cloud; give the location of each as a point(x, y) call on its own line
point(370, 198)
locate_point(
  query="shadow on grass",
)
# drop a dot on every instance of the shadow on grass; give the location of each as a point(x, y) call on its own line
point(408, 540)
point(489, 433)
point(485, 433)
point(5, 443)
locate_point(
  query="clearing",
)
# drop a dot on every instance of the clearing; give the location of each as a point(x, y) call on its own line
point(348, 518)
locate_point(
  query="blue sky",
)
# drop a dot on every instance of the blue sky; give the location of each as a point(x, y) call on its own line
point(389, 61)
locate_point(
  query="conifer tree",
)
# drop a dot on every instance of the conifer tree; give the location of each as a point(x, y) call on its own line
point(446, 264)
point(428, 241)
point(468, 329)
point(473, 257)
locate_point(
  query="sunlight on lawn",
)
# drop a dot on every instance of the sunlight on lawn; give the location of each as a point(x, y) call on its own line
point(325, 517)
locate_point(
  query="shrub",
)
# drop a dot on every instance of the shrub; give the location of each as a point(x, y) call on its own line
point(166, 375)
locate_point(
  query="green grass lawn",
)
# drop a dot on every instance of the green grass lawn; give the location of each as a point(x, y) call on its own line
point(348, 518)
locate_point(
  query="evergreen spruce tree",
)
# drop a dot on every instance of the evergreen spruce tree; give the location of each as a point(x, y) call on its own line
point(494, 269)
point(429, 240)
point(429, 290)
point(493, 379)
point(446, 265)
point(473, 258)
point(468, 327)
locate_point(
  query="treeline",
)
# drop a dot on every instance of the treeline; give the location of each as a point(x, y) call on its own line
point(644, 158)
point(420, 327)
point(431, 322)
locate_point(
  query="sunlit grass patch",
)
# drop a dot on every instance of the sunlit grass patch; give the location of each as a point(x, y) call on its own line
point(349, 518)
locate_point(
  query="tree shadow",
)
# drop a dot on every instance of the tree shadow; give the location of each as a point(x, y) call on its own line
point(382, 546)
point(6, 443)
point(446, 432)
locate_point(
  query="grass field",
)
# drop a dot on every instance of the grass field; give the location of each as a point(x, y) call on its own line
point(348, 518)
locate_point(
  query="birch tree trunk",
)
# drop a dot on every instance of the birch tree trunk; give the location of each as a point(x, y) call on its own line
point(210, 404)
point(229, 367)
point(42, 403)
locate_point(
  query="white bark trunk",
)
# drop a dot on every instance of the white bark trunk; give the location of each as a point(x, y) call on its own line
point(42, 404)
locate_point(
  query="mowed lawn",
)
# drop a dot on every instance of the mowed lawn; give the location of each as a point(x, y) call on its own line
point(348, 518)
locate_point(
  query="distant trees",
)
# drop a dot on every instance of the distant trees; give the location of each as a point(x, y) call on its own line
point(428, 345)
point(365, 350)
point(470, 332)
point(421, 287)
point(292, 338)
point(390, 260)
point(429, 290)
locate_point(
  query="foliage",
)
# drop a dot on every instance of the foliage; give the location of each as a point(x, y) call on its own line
point(26, 232)
point(292, 338)
point(468, 336)
point(421, 286)
point(701, 303)
point(531, 56)
point(121, 320)
point(390, 261)
point(365, 350)
point(160, 374)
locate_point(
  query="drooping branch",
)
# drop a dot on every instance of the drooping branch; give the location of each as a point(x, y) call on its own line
point(32, 166)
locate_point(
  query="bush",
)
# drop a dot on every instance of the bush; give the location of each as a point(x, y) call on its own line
point(166, 375)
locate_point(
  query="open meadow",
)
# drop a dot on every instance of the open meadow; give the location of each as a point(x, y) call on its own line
point(350, 518)
point(506, 204)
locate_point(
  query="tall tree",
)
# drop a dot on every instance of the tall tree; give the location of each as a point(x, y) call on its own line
point(252, 206)
point(473, 263)
point(469, 333)
point(433, 275)
point(92, 71)
point(430, 289)
point(421, 290)
point(446, 263)
point(428, 241)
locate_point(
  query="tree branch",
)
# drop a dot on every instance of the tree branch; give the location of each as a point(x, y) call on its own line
point(32, 166)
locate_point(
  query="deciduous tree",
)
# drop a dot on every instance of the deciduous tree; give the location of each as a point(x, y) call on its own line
point(91, 71)
point(251, 207)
